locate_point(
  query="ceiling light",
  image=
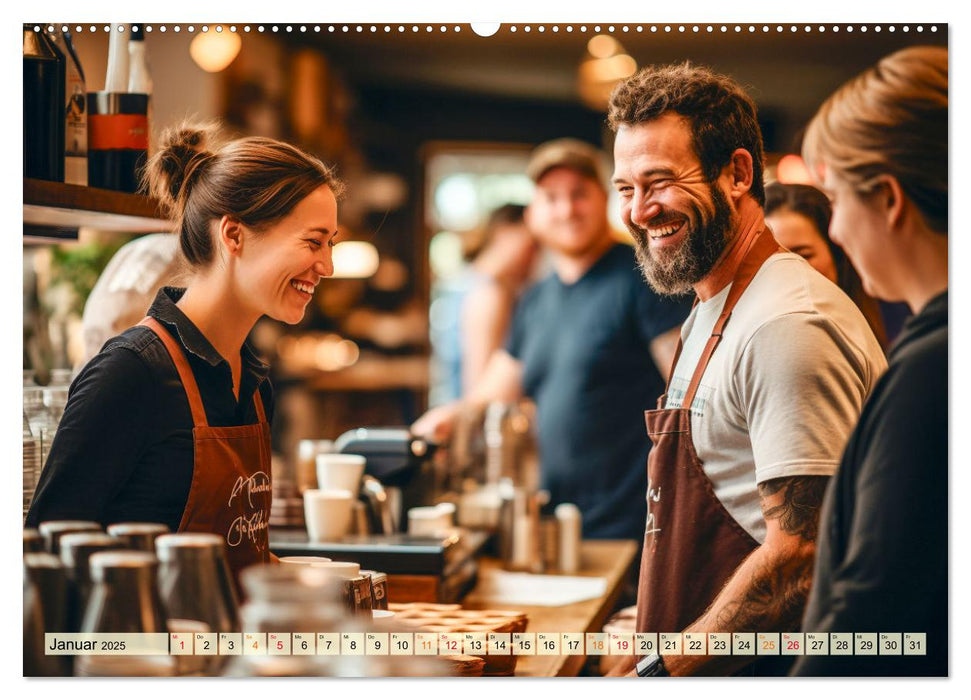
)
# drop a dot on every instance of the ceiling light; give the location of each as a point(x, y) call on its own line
point(214, 51)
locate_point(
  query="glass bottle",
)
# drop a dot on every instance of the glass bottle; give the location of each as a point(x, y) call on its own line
point(39, 419)
point(44, 80)
point(287, 599)
point(125, 599)
point(31, 459)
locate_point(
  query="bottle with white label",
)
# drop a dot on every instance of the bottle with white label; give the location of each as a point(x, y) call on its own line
point(75, 112)
point(117, 123)
point(139, 78)
point(116, 79)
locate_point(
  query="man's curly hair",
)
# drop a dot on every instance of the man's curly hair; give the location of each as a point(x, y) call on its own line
point(722, 117)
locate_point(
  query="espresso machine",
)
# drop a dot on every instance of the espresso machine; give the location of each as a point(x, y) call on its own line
point(399, 474)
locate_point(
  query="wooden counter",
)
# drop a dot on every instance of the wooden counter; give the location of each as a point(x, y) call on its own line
point(610, 559)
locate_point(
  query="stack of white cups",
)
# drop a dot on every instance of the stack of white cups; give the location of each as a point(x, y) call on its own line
point(328, 509)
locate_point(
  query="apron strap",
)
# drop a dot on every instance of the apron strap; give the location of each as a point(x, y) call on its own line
point(189, 380)
point(761, 249)
point(258, 403)
point(185, 372)
point(674, 362)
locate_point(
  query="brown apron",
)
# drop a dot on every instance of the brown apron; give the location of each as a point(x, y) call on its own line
point(692, 545)
point(230, 493)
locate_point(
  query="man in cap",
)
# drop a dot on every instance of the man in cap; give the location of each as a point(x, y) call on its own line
point(775, 365)
point(588, 344)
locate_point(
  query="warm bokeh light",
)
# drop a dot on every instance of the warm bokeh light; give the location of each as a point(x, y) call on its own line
point(606, 65)
point(608, 70)
point(355, 260)
point(213, 51)
point(603, 46)
point(328, 352)
point(792, 170)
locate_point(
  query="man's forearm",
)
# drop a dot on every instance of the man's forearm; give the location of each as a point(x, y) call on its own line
point(768, 592)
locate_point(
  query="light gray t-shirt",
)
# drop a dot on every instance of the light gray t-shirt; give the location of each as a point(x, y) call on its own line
point(784, 387)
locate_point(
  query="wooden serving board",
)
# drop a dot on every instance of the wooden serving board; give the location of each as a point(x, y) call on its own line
point(431, 617)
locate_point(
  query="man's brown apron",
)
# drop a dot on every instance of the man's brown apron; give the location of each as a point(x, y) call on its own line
point(230, 494)
point(692, 545)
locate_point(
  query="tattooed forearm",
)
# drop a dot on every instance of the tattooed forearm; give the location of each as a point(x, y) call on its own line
point(774, 599)
point(770, 589)
point(797, 510)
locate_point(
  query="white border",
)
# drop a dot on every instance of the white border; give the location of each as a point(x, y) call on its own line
point(490, 11)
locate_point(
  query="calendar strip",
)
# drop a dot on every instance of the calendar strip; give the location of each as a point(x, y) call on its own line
point(488, 644)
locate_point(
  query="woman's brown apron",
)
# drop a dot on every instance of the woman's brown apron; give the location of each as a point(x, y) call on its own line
point(231, 487)
point(692, 545)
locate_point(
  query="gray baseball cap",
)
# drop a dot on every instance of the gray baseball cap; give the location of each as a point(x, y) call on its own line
point(568, 153)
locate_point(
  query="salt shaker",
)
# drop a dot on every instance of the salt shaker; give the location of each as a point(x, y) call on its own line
point(571, 527)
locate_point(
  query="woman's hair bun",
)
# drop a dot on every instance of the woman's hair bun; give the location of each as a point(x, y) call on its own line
point(182, 152)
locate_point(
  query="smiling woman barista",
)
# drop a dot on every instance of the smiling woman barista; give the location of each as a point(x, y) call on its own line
point(169, 423)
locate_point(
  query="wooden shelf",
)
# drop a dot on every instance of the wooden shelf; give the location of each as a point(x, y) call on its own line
point(57, 206)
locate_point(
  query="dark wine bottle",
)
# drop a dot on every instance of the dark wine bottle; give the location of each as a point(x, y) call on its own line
point(44, 80)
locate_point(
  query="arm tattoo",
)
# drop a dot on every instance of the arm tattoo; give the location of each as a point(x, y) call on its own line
point(778, 588)
point(775, 598)
point(798, 514)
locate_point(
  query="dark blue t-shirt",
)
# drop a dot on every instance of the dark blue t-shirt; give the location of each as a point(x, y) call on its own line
point(585, 350)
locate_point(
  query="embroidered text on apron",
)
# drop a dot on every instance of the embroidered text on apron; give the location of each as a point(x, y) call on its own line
point(692, 545)
point(230, 494)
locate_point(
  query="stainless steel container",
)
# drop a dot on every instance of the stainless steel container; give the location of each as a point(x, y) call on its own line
point(195, 582)
point(140, 536)
point(76, 551)
point(125, 596)
point(33, 542)
point(46, 576)
point(53, 530)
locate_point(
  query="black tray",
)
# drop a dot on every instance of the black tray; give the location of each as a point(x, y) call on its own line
point(392, 554)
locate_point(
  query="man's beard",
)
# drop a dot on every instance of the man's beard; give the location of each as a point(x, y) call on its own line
point(674, 272)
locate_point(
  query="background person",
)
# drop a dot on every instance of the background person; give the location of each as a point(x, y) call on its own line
point(480, 303)
point(127, 287)
point(799, 218)
point(588, 344)
point(879, 148)
point(169, 423)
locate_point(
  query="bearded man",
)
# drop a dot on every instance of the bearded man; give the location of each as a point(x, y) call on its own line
point(769, 379)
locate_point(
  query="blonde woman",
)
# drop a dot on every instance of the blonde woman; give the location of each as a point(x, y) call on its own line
point(878, 148)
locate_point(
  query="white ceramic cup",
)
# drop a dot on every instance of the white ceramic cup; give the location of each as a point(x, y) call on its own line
point(339, 471)
point(328, 513)
point(304, 561)
point(340, 569)
point(447, 512)
point(427, 520)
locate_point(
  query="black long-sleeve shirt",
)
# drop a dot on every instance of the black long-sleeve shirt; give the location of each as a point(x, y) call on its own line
point(123, 450)
point(881, 562)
